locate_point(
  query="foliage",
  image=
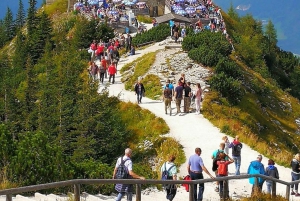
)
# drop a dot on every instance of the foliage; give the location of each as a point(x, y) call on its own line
point(144, 19)
point(57, 7)
point(141, 67)
point(228, 87)
point(214, 42)
point(20, 18)
point(204, 56)
point(152, 84)
point(230, 68)
point(156, 34)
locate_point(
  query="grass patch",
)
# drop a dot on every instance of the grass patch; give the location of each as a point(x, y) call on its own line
point(153, 86)
point(57, 7)
point(144, 19)
point(264, 119)
point(141, 67)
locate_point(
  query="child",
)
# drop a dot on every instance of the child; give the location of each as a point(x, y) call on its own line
point(223, 170)
point(271, 171)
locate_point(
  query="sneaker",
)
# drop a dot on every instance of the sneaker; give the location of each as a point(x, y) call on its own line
point(217, 189)
point(293, 193)
point(297, 194)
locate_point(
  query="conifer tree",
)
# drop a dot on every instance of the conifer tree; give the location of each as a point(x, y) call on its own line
point(2, 34)
point(31, 17)
point(20, 18)
point(270, 33)
point(9, 26)
point(232, 12)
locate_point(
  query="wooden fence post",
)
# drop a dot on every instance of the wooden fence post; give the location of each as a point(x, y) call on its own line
point(76, 192)
point(191, 192)
point(287, 192)
point(138, 192)
point(9, 197)
point(225, 189)
point(273, 189)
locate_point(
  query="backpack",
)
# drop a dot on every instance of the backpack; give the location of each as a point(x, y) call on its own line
point(122, 171)
point(215, 160)
point(222, 169)
point(165, 173)
point(168, 93)
point(236, 149)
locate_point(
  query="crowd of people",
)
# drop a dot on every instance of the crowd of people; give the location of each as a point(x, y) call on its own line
point(196, 167)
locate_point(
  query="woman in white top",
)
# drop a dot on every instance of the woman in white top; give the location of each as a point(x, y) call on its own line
point(227, 143)
point(198, 98)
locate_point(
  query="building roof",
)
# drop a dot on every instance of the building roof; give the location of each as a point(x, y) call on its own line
point(172, 16)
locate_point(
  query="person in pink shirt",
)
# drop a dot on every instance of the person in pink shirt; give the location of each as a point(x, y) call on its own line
point(198, 98)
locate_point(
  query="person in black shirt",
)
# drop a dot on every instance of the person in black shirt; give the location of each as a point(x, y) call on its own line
point(187, 97)
point(178, 96)
point(176, 32)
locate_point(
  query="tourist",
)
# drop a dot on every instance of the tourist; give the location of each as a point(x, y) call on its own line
point(224, 161)
point(195, 169)
point(295, 174)
point(236, 147)
point(172, 175)
point(139, 91)
point(178, 96)
point(271, 171)
point(187, 97)
point(216, 156)
point(256, 167)
point(112, 71)
point(198, 98)
point(167, 98)
point(126, 188)
point(227, 143)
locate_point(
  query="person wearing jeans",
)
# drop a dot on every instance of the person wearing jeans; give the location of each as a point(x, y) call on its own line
point(236, 153)
point(195, 168)
point(139, 91)
point(295, 174)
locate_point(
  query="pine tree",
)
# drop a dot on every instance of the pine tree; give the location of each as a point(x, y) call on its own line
point(2, 34)
point(20, 19)
point(270, 33)
point(9, 26)
point(31, 17)
point(232, 12)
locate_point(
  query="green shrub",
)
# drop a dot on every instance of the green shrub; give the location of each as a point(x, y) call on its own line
point(204, 56)
point(153, 86)
point(229, 87)
point(230, 68)
point(156, 34)
point(144, 19)
point(214, 42)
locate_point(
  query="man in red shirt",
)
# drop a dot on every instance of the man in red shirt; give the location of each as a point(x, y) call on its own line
point(112, 71)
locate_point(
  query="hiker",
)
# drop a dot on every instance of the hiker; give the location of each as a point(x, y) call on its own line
point(104, 64)
point(112, 71)
point(168, 99)
point(195, 169)
point(187, 97)
point(115, 57)
point(216, 157)
point(198, 98)
point(236, 147)
point(295, 174)
point(139, 91)
point(132, 51)
point(256, 167)
point(223, 171)
point(93, 48)
point(125, 188)
point(171, 169)
point(94, 71)
point(176, 32)
point(271, 171)
point(178, 96)
point(227, 143)
point(170, 86)
point(182, 79)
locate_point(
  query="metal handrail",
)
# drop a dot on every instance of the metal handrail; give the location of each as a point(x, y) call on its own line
point(77, 182)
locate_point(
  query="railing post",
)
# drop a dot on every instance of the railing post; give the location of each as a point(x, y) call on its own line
point(76, 192)
point(225, 189)
point(138, 192)
point(191, 192)
point(273, 189)
point(9, 197)
point(287, 192)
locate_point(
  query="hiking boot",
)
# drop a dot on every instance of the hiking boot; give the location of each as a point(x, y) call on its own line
point(293, 193)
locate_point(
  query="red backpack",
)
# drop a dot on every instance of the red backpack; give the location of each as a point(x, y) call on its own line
point(223, 168)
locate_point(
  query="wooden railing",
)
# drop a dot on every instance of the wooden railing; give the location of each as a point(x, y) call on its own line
point(77, 182)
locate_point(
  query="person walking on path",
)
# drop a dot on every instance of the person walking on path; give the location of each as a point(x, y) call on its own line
point(170, 86)
point(198, 98)
point(223, 171)
point(139, 91)
point(170, 167)
point(236, 147)
point(295, 174)
point(195, 169)
point(216, 156)
point(271, 171)
point(227, 143)
point(168, 99)
point(125, 188)
point(178, 96)
point(112, 72)
point(256, 167)
point(187, 97)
